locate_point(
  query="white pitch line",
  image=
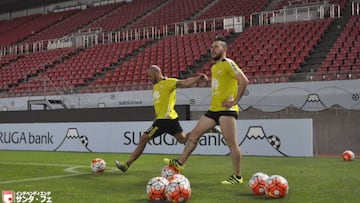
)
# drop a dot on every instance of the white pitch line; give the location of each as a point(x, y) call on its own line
point(40, 178)
point(33, 164)
point(70, 169)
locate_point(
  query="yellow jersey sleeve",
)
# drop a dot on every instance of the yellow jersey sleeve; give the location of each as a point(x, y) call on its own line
point(164, 97)
point(224, 85)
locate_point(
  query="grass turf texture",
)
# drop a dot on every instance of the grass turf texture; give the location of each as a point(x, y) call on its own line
point(310, 179)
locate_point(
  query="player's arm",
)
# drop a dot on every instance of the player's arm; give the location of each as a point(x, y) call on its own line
point(191, 81)
point(242, 82)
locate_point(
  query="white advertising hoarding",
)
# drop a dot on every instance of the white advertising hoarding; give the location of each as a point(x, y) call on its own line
point(270, 137)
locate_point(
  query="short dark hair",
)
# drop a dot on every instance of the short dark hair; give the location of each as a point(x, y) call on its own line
point(220, 38)
point(155, 68)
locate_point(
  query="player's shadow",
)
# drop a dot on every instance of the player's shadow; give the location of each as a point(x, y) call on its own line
point(162, 201)
point(252, 196)
point(98, 175)
point(148, 201)
point(258, 197)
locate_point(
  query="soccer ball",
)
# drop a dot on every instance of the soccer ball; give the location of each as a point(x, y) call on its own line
point(348, 155)
point(180, 177)
point(155, 188)
point(274, 141)
point(257, 183)
point(178, 189)
point(98, 165)
point(276, 186)
point(168, 171)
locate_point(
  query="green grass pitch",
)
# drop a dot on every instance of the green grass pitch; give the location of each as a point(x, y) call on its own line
point(69, 179)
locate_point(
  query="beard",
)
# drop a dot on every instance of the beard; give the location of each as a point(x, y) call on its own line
point(216, 57)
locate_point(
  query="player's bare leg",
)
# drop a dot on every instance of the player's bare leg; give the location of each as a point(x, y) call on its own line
point(144, 139)
point(229, 129)
point(203, 125)
point(181, 137)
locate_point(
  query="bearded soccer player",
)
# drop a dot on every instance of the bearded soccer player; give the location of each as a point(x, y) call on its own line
point(164, 97)
point(227, 87)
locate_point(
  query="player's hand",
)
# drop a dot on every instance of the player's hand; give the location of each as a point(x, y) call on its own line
point(203, 76)
point(228, 103)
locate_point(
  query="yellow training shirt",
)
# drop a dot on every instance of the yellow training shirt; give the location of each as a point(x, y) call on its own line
point(224, 85)
point(164, 96)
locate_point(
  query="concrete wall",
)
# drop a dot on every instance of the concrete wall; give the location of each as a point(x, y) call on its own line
point(144, 113)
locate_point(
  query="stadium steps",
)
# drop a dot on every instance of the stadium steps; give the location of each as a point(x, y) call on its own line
point(81, 88)
point(45, 68)
point(64, 58)
point(272, 5)
point(45, 28)
point(100, 17)
point(199, 13)
point(11, 61)
point(135, 21)
point(323, 47)
point(103, 17)
point(16, 26)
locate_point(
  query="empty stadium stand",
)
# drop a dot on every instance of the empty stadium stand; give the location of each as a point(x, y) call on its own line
point(7, 59)
point(10, 29)
point(74, 22)
point(125, 14)
point(343, 61)
point(175, 54)
point(267, 54)
point(273, 53)
point(234, 8)
point(172, 12)
point(84, 65)
point(27, 67)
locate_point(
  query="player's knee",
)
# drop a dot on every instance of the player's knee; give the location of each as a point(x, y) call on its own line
point(230, 142)
point(182, 139)
point(187, 135)
point(194, 135)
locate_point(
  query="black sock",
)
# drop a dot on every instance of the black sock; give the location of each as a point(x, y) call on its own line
point(238, 177)
point(177, 161)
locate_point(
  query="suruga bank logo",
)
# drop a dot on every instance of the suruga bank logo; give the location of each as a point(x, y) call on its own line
point(72, 136)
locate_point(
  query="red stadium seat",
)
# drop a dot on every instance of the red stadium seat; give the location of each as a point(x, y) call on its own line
point(345, 51)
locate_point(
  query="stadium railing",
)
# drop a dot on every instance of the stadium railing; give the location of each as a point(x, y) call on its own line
point(293, 14)
point(355, 7)
point(94, 36)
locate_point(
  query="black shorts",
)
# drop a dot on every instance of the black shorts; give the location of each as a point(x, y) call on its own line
point(161, 126)
point(215, 115)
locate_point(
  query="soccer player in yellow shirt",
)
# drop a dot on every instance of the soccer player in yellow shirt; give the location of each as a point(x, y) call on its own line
point(228, 84)
point(164, 97)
